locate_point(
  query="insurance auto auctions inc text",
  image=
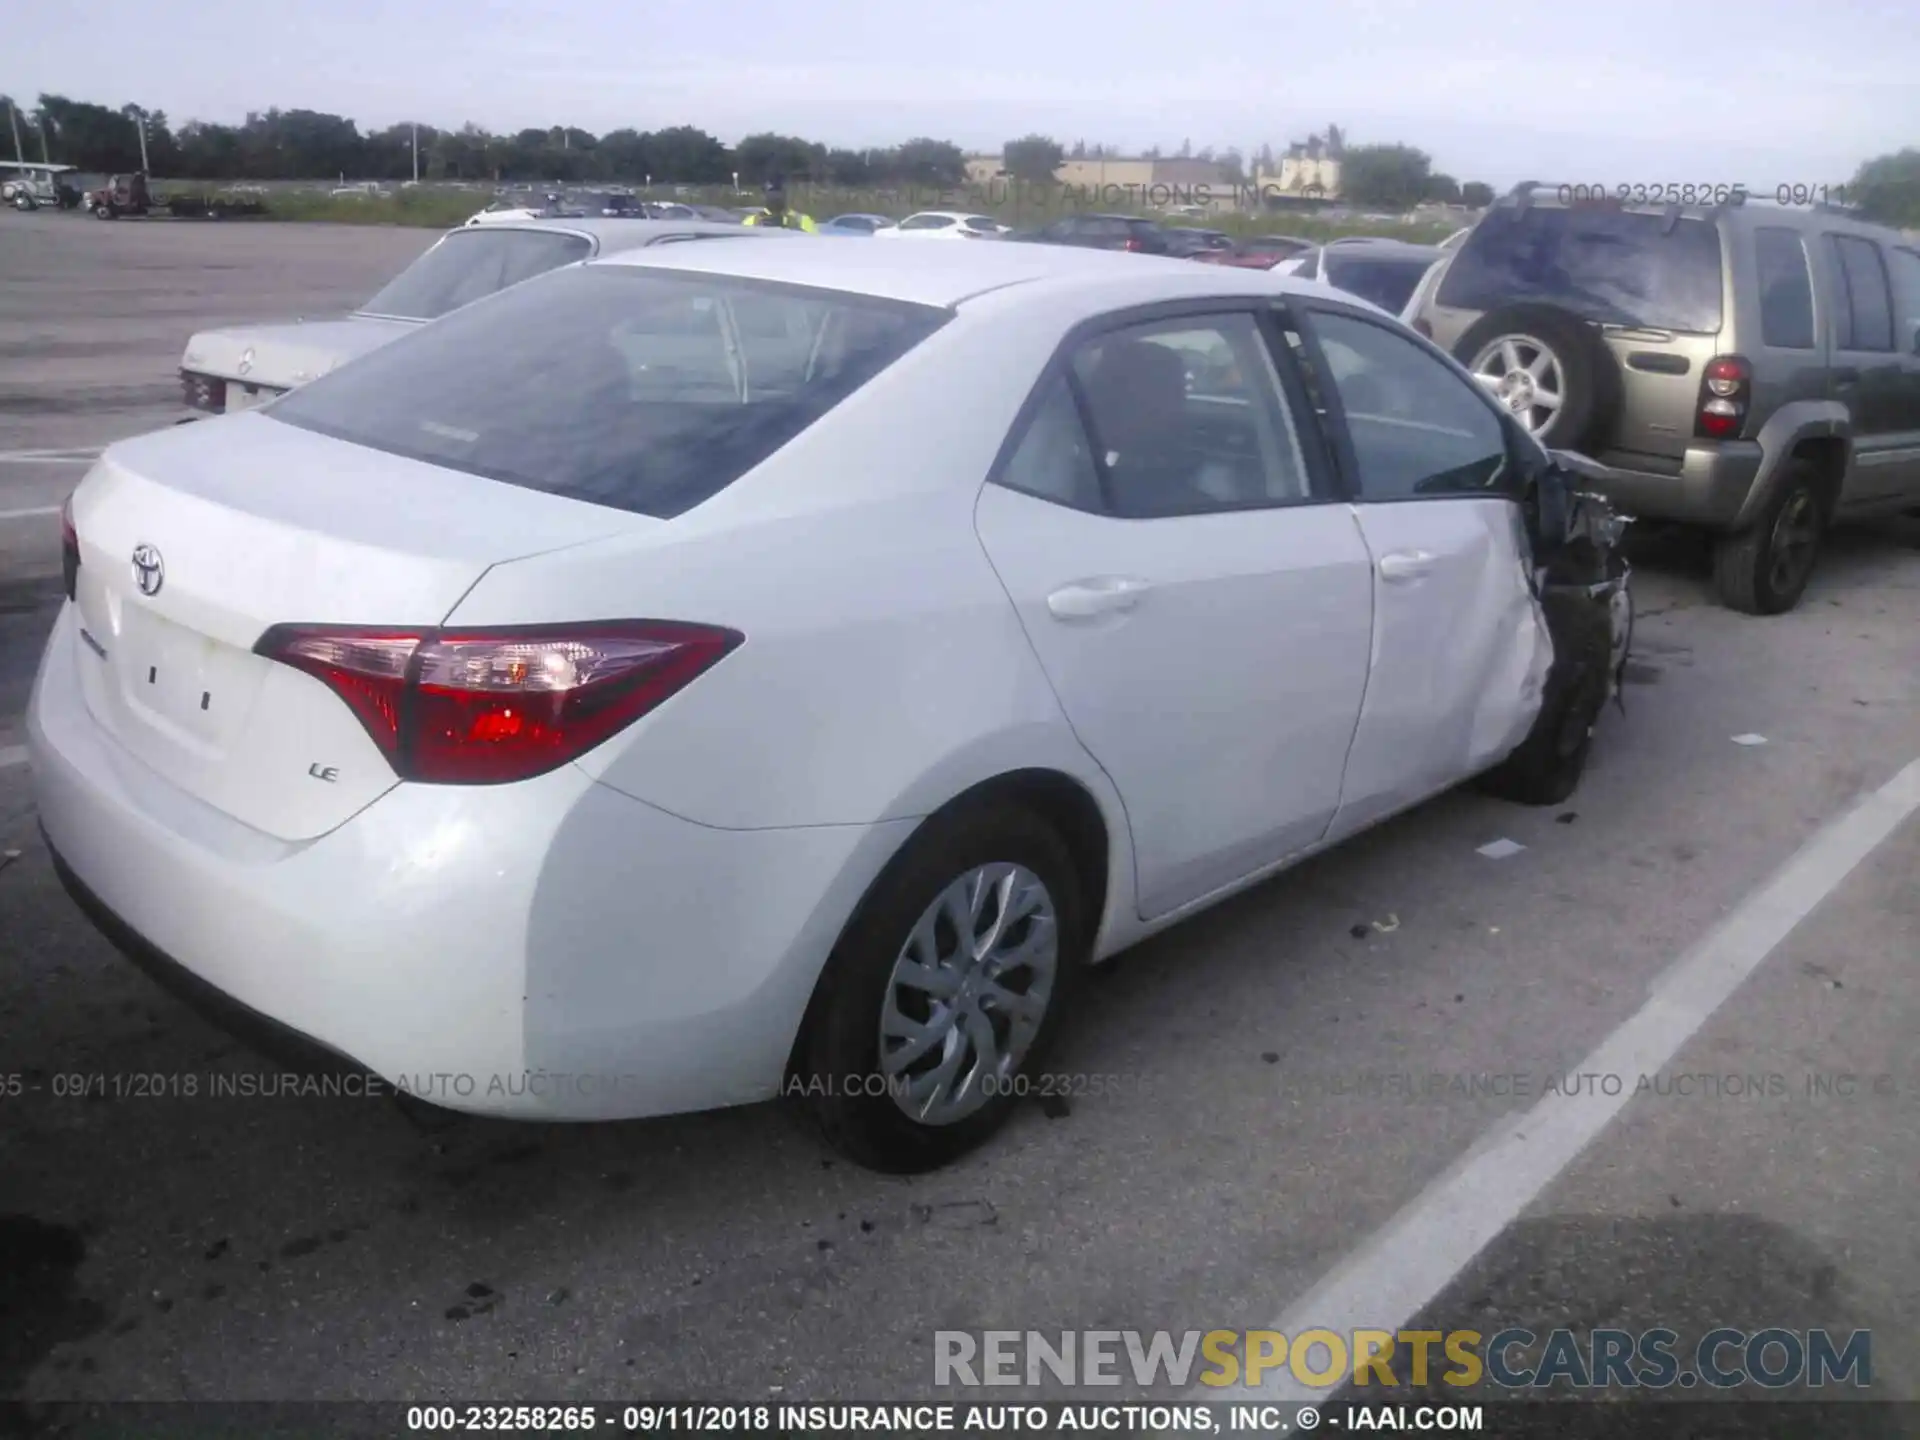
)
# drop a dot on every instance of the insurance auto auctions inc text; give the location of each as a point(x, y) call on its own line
point(1512, 1359)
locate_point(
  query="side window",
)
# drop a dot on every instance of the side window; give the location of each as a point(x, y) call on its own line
point(1786, 289)
point(1906, 273)
point(1054, 460)
point(1188, 417)
point(1418, 429)
point(1869, 302)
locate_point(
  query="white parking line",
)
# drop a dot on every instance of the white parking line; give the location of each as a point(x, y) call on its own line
point(66, 455)
point(1399, 1271)
point(25, 514)
point(11, 755)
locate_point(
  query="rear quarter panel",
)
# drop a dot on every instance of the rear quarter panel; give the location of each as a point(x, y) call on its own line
point(884, 670)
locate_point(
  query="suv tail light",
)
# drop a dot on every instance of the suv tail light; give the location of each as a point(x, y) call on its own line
point(487, 707)
point(69, 550)
point(1133, 243)
point(1725, 391)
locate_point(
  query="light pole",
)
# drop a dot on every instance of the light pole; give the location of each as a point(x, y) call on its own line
point(13, 114)
point(140, 122)
point(416, 154)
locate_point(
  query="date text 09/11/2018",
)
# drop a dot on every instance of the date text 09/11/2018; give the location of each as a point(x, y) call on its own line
point(1684, 193)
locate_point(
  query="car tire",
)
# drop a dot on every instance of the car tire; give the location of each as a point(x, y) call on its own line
point(839, 1066)
point(1590, 377)
point(103, 212)
point(1546, 767)
point(1764, 569)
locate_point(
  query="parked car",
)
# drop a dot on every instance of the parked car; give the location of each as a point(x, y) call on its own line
point(1100, 232)
point(856, 224)
point(351, 726)
point(1748, 370)
point(1383, 271)
point(943, 225)
point(668, 210)
point(245, 366)
point(1258, 252)
point(714, 212)
point(1188, 243)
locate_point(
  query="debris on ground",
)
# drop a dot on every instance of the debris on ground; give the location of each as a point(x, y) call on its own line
point(1388, 925)
point(1749, 739)
point(957, 1214)
point(1500, 849)
point(1566, 817)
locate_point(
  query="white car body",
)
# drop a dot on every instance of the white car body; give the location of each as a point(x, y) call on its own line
point(943, 225)
point(1224, 692)
point(242, 367)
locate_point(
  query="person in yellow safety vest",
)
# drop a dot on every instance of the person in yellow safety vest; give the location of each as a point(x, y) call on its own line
point(777, 212)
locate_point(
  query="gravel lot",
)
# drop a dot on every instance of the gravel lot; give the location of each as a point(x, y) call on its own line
point(164, 1247)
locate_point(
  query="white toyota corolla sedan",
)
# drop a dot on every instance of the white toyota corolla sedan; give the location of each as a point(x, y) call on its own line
point(715, 672)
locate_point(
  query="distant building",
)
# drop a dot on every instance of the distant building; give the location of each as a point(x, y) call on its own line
point(1310, 167)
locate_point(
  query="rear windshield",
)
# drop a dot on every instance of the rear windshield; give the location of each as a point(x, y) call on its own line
point(469, 265)
point(643, 389)
point(1615, 267)
point(1387, 283)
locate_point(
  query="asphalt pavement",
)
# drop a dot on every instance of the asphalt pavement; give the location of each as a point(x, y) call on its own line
point(1250, 1154)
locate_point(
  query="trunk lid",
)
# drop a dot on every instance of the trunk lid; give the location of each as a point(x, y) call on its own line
point(283, 356)
point(193, 541)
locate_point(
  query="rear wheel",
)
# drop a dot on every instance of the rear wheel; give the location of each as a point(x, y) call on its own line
point(1764, 570)
point(945, 990)
point(103, 211)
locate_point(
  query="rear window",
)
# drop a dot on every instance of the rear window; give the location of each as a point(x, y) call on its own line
point(1614, 267)
point(470, 265)
point(642, 389)
point(1387, 283)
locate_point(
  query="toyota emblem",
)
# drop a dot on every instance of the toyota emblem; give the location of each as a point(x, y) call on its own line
point(148, 573)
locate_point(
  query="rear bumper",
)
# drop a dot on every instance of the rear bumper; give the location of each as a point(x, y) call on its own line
point(546, 950)
point(1710, 488)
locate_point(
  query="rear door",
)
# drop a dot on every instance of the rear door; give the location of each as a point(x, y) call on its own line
point(1870, 375)
point(1197, 596)
point(1904, 261)
point(1460, 651)
point(1654, 285)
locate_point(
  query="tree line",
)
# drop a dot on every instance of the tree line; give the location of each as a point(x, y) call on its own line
point(314, 145)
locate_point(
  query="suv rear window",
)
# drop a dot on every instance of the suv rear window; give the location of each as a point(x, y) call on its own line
point(470, 265)
point(628, 386)
point(1615, 267)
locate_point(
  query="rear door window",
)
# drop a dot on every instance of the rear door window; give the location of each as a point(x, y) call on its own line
point(1388, 283)
point(1614, 267)
point(469, 265)
point(1864, 317)
point(1786, 289)
point(638, 388)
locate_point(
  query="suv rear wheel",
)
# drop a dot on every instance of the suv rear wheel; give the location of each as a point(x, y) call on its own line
point(1547, 367)
point(1764, 570)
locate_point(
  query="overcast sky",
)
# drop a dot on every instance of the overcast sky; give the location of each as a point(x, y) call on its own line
point(1608, 92)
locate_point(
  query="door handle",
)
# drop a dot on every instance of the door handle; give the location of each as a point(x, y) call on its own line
point(1085, 599)
point(1405, 565)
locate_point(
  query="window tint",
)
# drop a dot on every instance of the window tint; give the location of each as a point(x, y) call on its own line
point(1906, 275)
point(1866, 321)
point(1617, 267)
point(1418, 429)
point(926, 222)
point(1187, 417)
point(1388, 283)
point(1786, 289)
point(469, 265)
point(647, 390)
point(1054, 459)
point(982, 222)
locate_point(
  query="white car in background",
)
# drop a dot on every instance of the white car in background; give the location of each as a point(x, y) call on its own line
point(244, 366)
point(944, 225)
point(580, 701)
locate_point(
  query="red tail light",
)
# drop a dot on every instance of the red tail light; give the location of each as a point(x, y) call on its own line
point(69, 550)
point(1133, 244)
point(1725, 391)
point(486, 707)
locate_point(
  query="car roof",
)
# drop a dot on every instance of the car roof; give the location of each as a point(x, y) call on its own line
point(1385, 247)
point(947, 277)
point(616, 232)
